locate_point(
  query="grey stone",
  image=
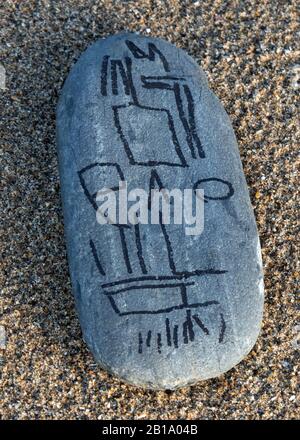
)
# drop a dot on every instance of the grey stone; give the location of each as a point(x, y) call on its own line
point(158, 308)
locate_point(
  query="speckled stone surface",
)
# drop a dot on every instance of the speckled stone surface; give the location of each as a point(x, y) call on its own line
point(248, 52)
point(158, 308)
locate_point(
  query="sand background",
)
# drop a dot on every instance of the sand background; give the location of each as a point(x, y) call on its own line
point(248, 50)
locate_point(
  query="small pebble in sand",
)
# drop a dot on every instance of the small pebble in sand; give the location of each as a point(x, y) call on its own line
point(2, 77)
point(2, 338)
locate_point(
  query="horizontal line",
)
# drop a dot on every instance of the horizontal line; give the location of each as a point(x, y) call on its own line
point(177, 276)
point(153, 163)
point(162, 77)
point(148, 286)
point(170, 309)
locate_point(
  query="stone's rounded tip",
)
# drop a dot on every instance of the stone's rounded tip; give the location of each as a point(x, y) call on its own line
point(160, 305)
point(163, 376)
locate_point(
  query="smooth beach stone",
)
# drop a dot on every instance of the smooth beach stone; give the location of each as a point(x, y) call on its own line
point(157, 307)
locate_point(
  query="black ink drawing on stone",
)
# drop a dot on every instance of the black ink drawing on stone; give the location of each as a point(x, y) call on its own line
point(141, 285)
point(157, 308)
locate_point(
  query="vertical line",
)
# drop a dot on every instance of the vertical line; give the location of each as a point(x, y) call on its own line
point(168, 244)
point(190, 325)
point(148, 341)
point(130, 80)
point(188, 332)
point(104, 75)
point(175, 140)
point(183, 294)
point(139, 248)
point(121, 134)
point(159, 344)
point(125, 250)
point(191, 110)
point(184, 333)
point(183, 119)
point(223, 328)
point(96, 258)
point(140, 343)
point(175, 336)
point(114, 77)
point(126, 83)
point(168, 332)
